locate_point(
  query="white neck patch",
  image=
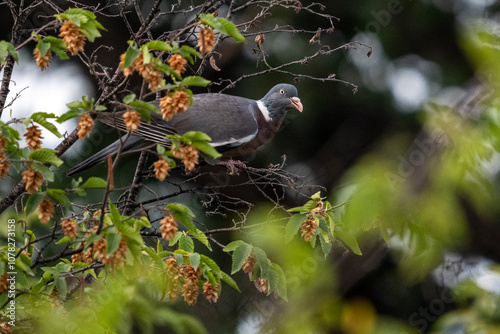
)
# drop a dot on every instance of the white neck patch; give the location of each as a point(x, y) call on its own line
point(264, 110)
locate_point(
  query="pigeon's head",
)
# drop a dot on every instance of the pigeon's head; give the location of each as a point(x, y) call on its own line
point(280, 99)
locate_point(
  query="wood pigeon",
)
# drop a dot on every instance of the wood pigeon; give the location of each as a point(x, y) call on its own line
point(236, 125)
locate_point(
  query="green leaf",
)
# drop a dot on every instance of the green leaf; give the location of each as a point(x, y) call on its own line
point(62, 286)
point(129, 98)
point(3, 52)
point(183, 214)
point(54, 42)
point(60, 196)
point(188, 52)
point(273, 279)
point(194, 260)
point(41, 118)
point(281, 286)
point(91, 29)
point(159, 45)
point(185, 220)
point(72, 113)
point(33, 201)
point(140, 223)
point(140, 106)
point(310, 205)
point(331, 223)
point(349, 240)
point(176, 238)
point(79, 104)
point(159, 246)
point(94, 182)
point(229, 280)
point(160, 149)
point(64, 240)
point(222, 25)
point(43, 47)
point(206, 148)
point(179, 258)
point(5, 49)
point(130, 55)
point(326, 245)
point(156, 258)
point(263, 261)
point(52, 271)
point(321, 221)
point(211, 264)
point(293, 226)
point(186, 243)
point(113, 240)
point(201, 237)
point(177, 207)
point(233, 245)
point(196, 135)
point(240, 254)
point(316, 196)
point(30, 237)
point(45, 155)
point(47, 174)
point(13, 52)
point(115, 214)
point(194, 81)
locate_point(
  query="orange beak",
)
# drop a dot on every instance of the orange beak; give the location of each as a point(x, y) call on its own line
point(296, 103)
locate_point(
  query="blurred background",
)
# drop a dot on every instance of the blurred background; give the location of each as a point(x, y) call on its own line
point(412, 148)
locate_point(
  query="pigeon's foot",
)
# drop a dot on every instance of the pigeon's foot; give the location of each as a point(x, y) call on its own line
point(231, 165)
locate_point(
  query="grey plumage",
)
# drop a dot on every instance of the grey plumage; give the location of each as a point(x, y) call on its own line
point(236, 125)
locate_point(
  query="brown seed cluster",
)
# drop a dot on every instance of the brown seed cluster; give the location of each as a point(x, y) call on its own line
point(127, 70)
point(190, 286)
point(147, 71)
point(173, 277)
point(309, 228)
point(320, 209)
point(211, 292)
point(88, 256)
point(262, 285)
point(152, 77)
point(116, 259)
point(42, 61)
point(69, 227)
point(4, 163)
point(33, 137)
point(161, 168)
point(132, 120)
point(99, 249)
point(259, 40)
point(249, 264)
point(85, 124)
point(188, 154)
point(77, 257)
point(171, 105)
point(4, 282)
point(45, 211)
point(177, 63)
point(6, 328)
point(32, 180)
point(72, 37)
point(168, 227)
point(206, 40)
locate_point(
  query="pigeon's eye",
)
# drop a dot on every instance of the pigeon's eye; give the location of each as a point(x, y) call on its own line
point(282, 91)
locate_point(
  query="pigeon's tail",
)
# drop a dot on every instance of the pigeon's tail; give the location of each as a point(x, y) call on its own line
point(112, 149)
